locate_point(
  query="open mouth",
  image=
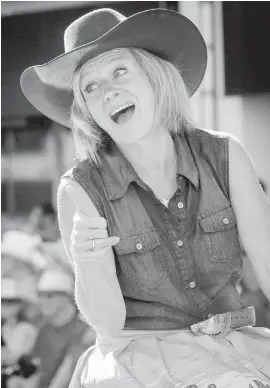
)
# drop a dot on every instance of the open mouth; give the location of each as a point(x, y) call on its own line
point(123, 113)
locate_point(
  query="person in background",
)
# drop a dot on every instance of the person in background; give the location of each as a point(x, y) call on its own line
point(150, 214)
point(63, 335)
point(18, 337)
point(42, 222)
point(20, 253)
point(22, 261)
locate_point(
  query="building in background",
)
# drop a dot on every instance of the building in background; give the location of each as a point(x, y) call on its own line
point(235, 93)
point(234, 96)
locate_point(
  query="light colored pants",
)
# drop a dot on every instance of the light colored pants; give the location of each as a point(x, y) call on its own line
point(177, 359)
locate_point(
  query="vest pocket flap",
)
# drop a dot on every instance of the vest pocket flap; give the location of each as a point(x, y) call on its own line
point(218, 221)
point(139, 243)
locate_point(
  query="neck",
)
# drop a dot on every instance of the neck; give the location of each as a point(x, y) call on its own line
point(153, 153)
point(63, 316)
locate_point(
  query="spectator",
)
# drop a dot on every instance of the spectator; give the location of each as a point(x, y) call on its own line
point(22, 261)
point(17, 338)
point(20, 251)
point(43, 222)
point(62, 336)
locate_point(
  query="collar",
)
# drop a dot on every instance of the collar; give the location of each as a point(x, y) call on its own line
point(186, 165)
point(117, 173)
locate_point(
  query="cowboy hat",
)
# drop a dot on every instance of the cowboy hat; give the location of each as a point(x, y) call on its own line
point(162, 32)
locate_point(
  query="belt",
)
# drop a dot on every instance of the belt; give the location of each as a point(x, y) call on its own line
point(218, 325)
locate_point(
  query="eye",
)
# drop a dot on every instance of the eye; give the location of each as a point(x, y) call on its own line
point(120, 71)
point(91, 87)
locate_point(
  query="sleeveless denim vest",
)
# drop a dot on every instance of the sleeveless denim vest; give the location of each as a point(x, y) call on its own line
point(175, 265)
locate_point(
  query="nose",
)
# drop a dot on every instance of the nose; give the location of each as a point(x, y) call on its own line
point(110, 94)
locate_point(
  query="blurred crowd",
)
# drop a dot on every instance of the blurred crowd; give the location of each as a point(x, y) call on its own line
point(43, 334)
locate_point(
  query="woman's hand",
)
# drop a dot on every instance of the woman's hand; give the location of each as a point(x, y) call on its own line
point(89, 238)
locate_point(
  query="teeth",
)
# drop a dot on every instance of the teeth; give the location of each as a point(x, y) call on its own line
point(122, 107)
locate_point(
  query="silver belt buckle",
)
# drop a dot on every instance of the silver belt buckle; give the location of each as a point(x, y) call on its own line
point(216, 326)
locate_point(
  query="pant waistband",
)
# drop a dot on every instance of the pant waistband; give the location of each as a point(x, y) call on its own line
point(219, 324)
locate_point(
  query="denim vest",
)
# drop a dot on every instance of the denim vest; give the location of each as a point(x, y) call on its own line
point(179, 264)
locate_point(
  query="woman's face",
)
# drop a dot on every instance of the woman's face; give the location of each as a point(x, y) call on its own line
point(119, 96)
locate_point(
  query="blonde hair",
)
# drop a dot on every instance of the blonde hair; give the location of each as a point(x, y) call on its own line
point(172, 103)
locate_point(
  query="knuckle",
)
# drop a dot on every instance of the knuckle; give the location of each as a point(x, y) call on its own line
point(77, 217)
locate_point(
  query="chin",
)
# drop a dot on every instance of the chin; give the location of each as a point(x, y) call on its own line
point(127, 133)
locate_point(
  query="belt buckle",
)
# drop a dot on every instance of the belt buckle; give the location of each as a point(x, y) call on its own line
point(217, 326)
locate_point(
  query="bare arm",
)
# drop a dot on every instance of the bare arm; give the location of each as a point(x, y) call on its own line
point(252, 210)
point(97, 291)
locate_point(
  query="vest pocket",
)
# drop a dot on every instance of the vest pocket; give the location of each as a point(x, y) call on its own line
point(141, 259)
point(220, 234)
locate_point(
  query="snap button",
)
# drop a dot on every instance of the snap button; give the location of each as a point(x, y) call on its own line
point(192, 284)
point(139, 246)
point(180, 205)
point(180, 243)
point(225, 221)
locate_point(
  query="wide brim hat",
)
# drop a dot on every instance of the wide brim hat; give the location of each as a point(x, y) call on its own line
point(162, 32)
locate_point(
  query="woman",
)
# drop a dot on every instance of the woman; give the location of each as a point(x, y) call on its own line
point(148, 216)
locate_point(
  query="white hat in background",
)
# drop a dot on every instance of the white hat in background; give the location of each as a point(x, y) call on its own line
point(56, 281)
point(10, 289)
point(57, 256)
point(24, 247)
